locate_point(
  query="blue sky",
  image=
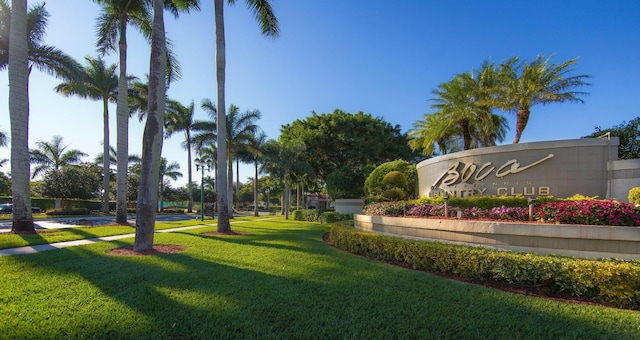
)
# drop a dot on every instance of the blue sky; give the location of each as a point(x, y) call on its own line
point(379, 57)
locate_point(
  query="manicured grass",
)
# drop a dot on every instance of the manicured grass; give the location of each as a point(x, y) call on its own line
point(278, 281)
point(8, 240)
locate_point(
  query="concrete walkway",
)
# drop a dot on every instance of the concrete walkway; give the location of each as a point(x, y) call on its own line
point(51, 246)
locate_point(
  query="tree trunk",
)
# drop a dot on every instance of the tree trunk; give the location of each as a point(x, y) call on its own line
point(153, 136)
point(255, 190)
point(237, 192)
point(285, 202)
point(522, 119)
point(190, 180)
point(19, 116)
point(230, 182)
point(221, 119)
point(122, 122)
point(105, 155)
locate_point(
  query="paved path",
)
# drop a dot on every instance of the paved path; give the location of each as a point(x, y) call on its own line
point(51, 246)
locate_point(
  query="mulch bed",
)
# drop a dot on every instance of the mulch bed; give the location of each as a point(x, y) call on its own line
point(157, 249)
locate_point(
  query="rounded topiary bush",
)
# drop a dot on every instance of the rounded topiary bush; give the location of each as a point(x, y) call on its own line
point(394, 194)
point(634, 195)
point(374, 183)
point(395, 179)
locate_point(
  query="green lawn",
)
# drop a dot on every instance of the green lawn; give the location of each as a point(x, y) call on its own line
point(278, 281)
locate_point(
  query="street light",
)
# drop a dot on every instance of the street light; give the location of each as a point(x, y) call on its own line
point(200, 164)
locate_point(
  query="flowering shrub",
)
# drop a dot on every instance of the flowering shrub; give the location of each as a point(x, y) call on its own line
point(590, 212)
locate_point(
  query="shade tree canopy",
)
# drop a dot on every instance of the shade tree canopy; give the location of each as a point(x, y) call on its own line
point(340, 139)
point(629, 134)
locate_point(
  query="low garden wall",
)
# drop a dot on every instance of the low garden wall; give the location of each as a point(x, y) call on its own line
point(585, 241)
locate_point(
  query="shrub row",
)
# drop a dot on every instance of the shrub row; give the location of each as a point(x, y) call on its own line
point(323, 216)
point(613, 281)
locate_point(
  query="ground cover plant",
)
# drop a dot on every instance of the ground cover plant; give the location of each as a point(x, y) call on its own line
point(279, 280)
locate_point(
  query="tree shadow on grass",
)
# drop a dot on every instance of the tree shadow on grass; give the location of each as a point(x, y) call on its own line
point(323, 293)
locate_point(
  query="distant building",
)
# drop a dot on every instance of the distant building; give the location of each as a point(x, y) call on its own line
point(318, 201)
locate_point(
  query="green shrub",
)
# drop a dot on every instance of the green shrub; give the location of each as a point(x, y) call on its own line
point(395, 179)
point(173, 210)
point(374, 185)
point(68, 211)
point(393, 194)
point(634, 195)
point(613, 281)
point(311, 215)
point(333, 217)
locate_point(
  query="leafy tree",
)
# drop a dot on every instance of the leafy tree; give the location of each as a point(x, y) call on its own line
point(99, 82)
point(5, 184)
point(344, 139)
point(347, 182)
point(76, 181)
point(629, 134)
point(539, 82)
point(53, 155)
point(269, 27)
point(255, 153)
point(434, 135)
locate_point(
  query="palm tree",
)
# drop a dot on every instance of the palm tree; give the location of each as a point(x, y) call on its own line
point(100, 82)
point(280, 160)
point(112, 26)
point(240, 127)
point(180, 118)
point(21, 48)
point(269, 27)
point(19, 114)
point(255, 152)
point(153, 131)
point(167, 170)
point(45, 58)
point(53, 155)
point(539, 82)
point(434, 135)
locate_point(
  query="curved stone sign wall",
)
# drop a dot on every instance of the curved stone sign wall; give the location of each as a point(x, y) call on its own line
point(557, 168)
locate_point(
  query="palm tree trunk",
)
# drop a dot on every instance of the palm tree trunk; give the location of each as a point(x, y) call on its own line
point(19, 115)
point(522, 119)
point(237, 184)
point(105, 155)
point(122, 122)
point(153, 136)
point(190, 180)
point(466, 135)
point(255, 190)
point(221, 118)
point(230, 182)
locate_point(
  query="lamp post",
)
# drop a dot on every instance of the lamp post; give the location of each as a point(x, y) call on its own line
point(200, 165)
point(446, 205)
point(532, 202)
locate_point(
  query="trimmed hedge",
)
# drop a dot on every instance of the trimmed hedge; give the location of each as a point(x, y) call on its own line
point(612, 281)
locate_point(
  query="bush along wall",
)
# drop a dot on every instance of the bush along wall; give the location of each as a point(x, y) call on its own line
point(610, 281)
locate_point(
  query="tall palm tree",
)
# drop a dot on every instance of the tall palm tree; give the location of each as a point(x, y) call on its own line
point(153, 131)
point(255, 152)
point(539, 82)
point(21, 48)
point(434, 135)
point(53, 155)
point(281, 158)
point(169, 170)
point(112, 27)
point(180, 118)
point(19, 114)
point(240, 127)
point(269, 27)
point(100, 82)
